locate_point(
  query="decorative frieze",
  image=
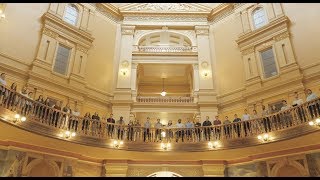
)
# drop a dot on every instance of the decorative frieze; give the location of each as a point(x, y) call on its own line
point(127, 30)
point(202, 30)
point(166, 18)
point(248, 51)
point(82, 49)
point(50, 33)
point(282, 36)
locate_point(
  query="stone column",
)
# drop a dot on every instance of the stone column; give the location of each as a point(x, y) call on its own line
point(207, 96)
point(122, 94)
point(195, 82)
point(134, 67)
point(116, 169)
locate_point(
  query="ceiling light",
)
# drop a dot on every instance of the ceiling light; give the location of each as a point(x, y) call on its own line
point(163, 93)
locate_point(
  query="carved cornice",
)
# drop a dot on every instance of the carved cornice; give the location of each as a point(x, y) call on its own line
point(109, 8)
point(282, 36)
point(221, 9)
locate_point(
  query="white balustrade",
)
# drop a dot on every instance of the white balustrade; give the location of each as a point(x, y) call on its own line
point(169, 99)
point(165, 48)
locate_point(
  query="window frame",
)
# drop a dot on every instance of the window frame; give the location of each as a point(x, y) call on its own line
point(251, 12)
point(69, 59)
point(261, 66)
point(77, 17)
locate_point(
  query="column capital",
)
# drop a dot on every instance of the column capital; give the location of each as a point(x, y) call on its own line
point(127, 30)
point(195, 66)
point(134, 65)
point(202, 30)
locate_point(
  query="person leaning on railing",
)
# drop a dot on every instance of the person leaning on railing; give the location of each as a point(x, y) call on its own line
point(10, 96)
point(85, 122)
point(245, 118)
point(39, 106)
point(169, 131)
point(158, 127)
point(137, 130)
point(313, 107)
point(217, 127)
point(197, 126)
point(146, 132)
point(120, 127)
point(286, 116)
point(207, 128)
point(73, 123)
point(130, 131)
point(266, 119)
point(180, 132)
point(299, 110)
point(227, 128)
point(237, 125)
point(189, 126)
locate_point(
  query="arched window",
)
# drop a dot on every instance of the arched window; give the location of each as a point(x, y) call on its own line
point(71, 14)
point(259, 18)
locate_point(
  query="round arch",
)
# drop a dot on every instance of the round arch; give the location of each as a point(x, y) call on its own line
point(50, 166)
point(164, 174)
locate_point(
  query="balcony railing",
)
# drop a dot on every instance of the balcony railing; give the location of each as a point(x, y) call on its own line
point(165, 49)
point(166, 99)
point(43, 116)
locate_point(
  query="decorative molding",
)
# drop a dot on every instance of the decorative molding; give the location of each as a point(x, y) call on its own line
point(50, 33)
point(282, 36)
point(248, 51)
point(202, 30)
point(82, 49)
point(166, 18)
point(165, 7)
point(127, 30)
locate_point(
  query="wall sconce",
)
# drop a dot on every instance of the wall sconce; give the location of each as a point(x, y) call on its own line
point(116, 143)
point(165, 146)
point(205, 71)
point(124, 67)
point(17, 118)
point(315, 123)
point(264, 138)
point(213, 145)
point(67, 134)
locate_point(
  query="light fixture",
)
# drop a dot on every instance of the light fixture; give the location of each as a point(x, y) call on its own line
point(67, 134)
point(123, 71)
point(2, 15)
point(264, 138)
point(205, 73)
point(17, 118)
point(163, 134)
point(163, 93)
point(124, 67)
point(315, 123)
point(213, 145)
point(165, 146)
point(116, 143)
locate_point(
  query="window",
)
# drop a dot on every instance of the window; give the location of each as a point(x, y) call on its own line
point(62, 60)
point(259, 18)
point(71, 14)
point(268, 63)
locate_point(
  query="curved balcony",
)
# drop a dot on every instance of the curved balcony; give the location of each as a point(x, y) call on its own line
point(47, 121)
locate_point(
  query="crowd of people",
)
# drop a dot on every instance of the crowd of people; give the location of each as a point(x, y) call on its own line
point(53, 114)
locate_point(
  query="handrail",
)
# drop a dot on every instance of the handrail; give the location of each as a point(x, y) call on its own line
point(169, 99)
point(86, 126)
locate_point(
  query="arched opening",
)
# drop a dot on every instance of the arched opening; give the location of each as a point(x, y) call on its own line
point(289, 171)
point(164, 174)
point(42, 169)
point(71, 14)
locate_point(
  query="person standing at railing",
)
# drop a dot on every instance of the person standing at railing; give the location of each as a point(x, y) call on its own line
point(95, 123)
point(245, 118)
point(158, 127)
point(23, 101)
point(169, 131)
point(207, 128)
point(85, 122)
point(300, 111)
point(237, 125)
point(276, 117)
point(29, 103)
point(110, 125)
point(189, 126)
point(3, 84)
point(197, 131)
point(74, 120)
point(137, 130)
point(313, 107)
point(266, 120)
point(227, 127)
point(146, 133)
point(180, 131)
point(46, 112)
point(120, 124)
point(255, 125)
point(217, 127)
point(39, 106)
point(56, 113)
point(287, 119)
point(11, 98)
point(65, 118)
point(130, 131)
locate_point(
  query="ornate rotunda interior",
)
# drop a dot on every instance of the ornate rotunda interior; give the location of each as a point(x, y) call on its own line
point(159, 89)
